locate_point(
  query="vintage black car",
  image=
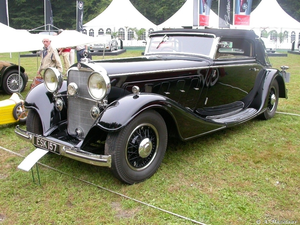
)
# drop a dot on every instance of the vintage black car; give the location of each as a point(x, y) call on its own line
point(10, 78)
point(120, 113)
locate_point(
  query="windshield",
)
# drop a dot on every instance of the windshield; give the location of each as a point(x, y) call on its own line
point(200, 45)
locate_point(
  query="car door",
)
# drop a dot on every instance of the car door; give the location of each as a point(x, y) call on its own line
point(232, 76)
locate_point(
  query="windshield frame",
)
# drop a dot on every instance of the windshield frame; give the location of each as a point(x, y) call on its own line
point(157, 43)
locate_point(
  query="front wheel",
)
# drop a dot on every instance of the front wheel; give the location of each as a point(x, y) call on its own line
point(139, 148)
point(33, 122)
point(272, 101)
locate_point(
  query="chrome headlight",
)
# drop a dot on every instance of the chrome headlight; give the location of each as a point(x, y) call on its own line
point(52, 79)
point(98, 85)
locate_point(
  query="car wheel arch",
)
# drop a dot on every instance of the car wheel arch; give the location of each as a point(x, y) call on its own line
point(98, 133)
point(282, 88)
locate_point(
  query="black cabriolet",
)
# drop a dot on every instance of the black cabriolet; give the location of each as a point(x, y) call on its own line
point(120, 113)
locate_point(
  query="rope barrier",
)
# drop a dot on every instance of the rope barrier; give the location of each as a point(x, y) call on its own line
point(290, 114)
point(108, 190)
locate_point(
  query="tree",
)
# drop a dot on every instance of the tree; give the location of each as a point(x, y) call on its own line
point(139, 33)
point(64, 12)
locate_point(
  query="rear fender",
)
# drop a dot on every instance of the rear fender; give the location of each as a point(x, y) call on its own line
point(10, 68)
point(13, 67)
point(273, 75)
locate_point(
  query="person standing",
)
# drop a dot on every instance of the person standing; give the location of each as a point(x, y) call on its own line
point(72, 56)
point(80, 51)
point(65, 52)
point(71, 52)
point(49, 57)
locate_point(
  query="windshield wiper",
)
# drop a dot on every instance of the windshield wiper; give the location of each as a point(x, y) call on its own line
point(164, 39)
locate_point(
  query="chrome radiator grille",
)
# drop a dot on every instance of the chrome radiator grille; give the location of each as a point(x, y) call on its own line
point(79, 108)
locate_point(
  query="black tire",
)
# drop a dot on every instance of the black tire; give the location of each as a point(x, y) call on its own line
point(20, 113)
point(272, 101)
point(11, 81)
point(33, 122)
point(139, 148)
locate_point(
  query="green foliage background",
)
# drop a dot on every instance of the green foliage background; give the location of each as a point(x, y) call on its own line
point(29, 14)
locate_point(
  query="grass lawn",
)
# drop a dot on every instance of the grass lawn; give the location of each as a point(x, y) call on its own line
point(248, 174)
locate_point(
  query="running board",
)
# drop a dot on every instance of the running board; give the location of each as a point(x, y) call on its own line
point(238, 117)
point(220, 111)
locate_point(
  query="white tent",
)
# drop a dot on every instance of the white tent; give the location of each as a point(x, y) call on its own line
point(269, 16)
point(13, 40)
point(184, 17)
point(72, 38)
point(122, 17)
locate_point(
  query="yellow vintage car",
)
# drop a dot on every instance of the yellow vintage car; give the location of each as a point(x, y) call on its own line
point(12, 110)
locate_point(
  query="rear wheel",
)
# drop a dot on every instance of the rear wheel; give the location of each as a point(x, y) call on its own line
point(272, 100)
point(138, 149)
point(13, 83)
point(33, 122)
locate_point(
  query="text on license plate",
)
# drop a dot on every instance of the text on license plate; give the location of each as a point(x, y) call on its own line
point(45, 144)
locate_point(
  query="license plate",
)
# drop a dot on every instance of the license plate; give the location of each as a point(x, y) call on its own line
point(45, 144)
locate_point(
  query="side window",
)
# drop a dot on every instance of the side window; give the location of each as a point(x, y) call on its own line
point(234, 48)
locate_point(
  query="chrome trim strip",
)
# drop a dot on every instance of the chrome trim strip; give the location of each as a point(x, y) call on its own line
point(68, 150)
point(182, 69)
point(159, 71)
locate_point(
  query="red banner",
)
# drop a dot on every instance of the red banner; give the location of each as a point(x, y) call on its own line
point(242, 12)
point(204, 11)
point(242, 20)
point(203, 20)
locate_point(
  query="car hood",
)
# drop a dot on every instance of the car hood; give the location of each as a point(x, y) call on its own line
point(151, 64)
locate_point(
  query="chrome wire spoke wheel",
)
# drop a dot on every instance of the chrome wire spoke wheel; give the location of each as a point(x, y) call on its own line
point(13, 82)
point(138, 149)
point(141, 147)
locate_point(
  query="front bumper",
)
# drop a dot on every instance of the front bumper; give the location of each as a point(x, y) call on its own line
point(64, 148)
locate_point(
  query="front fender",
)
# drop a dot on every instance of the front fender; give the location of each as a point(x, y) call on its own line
point(123, 110)
point(40, 100)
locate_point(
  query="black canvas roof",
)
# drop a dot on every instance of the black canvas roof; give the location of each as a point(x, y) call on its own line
point(238, 33)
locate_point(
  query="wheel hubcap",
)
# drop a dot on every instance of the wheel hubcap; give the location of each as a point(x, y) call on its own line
point(273, 99)
point(145, 148)
point(142, 147)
